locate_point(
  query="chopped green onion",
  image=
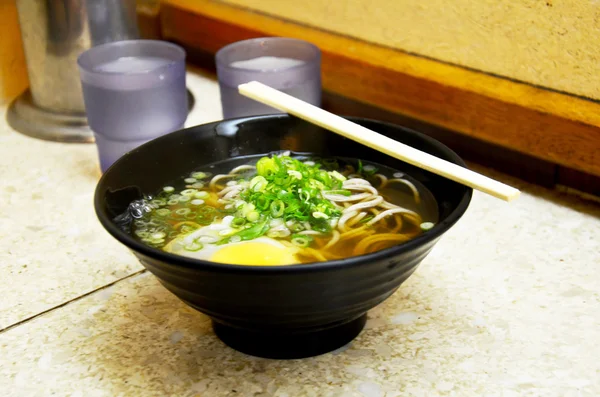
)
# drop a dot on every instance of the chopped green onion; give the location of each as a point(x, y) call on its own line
point(292, 190)
point(253, 216)
point(320, 215)
point(296, 227)
point(201, 195)
point(258, 183)
point(366, 219)
point(168, 189)
point(197, 202)
point(183, 211)
point(295, 174)
point(173, 202)
point(183, 199)
point(267, 166)
point(163, 212)
point(188, 192)
point(158, 203)
point(247, 208)
point(262, 203)
point(190, 215)
point(247, 234)
point(142, 233)
point(238, 222)
point(337, 176)
point(427, 226)
point(158, 235)
point(194, 246)
point(184, 229)
point(301, 240)
point(277, 208)
point(341, 192)
point(198, 175)
point(190, 180)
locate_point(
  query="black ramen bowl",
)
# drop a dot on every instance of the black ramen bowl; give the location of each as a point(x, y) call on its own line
point(281, 311)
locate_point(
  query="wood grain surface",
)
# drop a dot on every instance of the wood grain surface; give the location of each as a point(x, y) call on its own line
point(549, 43)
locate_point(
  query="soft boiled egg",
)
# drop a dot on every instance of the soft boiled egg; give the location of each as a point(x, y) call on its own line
point(261, 251)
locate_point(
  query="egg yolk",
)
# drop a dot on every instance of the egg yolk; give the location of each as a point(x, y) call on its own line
point(257, 254)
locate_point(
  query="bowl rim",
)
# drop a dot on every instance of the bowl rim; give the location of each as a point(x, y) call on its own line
point(191, 263)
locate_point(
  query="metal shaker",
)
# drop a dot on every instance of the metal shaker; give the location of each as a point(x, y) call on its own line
point(55, 33)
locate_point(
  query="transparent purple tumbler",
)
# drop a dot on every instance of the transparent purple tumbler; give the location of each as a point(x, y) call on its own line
point(290, 65)
point(134, 91)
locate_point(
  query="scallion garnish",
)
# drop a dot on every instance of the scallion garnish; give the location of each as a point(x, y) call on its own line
point(253, 216)
point(427, 226)
point(194, 246)
point(301, 240)
point(277, 208)
point(198, 175)
point(238, 222)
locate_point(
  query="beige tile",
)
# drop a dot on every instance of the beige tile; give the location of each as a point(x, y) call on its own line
point(505, 305)
point(52, 247)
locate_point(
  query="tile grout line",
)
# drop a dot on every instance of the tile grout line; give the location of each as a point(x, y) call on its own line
point(77, 298)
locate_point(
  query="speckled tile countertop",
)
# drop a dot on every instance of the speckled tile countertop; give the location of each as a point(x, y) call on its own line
point(507, 304)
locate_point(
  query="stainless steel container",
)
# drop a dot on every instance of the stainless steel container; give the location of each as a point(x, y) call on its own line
point(54, 33)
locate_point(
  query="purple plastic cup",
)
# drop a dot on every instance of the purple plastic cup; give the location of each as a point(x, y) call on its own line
point(134, 91)
point(290, 65)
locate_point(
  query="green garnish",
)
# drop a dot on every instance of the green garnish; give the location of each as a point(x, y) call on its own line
point(198, 175)
point(277, 208)
point(238, 222)
point(367, 170)
point(253, 216)
point(290, 189)
point(341, 192)
point(183, 211)
point(301, 240)
point(250, 233)
point(425, 226)
point(194, 246)
point(366, 219)
point(162, 212)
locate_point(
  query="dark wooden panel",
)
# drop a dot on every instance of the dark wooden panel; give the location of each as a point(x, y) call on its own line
point(579, 180)
point(511, 162)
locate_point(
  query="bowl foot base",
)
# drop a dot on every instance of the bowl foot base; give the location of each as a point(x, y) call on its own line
point(289, 346)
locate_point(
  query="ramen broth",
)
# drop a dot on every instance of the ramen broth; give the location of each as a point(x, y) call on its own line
point(284, 209)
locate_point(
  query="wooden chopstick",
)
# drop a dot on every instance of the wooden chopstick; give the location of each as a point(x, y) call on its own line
point(287, 103)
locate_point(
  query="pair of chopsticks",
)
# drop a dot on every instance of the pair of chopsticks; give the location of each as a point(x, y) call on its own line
point(287, 103)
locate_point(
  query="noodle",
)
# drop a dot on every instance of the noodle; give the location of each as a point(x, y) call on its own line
point(362, 246)
point(334, 239)
point(376, 201)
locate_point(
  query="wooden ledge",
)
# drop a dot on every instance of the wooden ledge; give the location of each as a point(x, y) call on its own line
point(551, 126)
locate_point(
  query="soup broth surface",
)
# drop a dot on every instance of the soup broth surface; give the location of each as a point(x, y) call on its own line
point(284, 209)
